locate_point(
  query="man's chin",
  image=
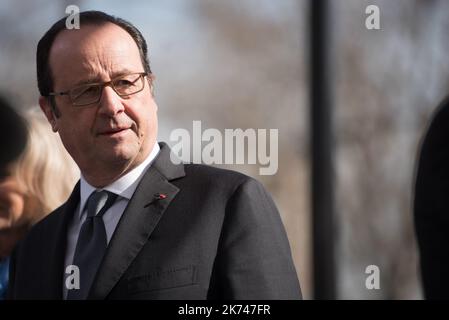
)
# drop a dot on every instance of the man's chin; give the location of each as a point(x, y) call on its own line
point(119, 154)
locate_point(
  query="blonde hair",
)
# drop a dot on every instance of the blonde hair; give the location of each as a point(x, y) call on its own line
point(45, 172)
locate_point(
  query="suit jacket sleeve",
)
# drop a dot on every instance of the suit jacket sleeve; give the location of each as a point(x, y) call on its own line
point(254, 258)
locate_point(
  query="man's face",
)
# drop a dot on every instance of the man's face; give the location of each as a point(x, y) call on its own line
point(116, 134)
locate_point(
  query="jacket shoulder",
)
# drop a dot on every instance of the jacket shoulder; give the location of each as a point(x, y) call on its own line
point(43, 228)
point(216, 178)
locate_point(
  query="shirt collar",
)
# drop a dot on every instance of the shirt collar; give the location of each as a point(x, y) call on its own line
point(124, 186)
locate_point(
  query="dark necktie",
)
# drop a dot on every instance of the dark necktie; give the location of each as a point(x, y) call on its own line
point(92, 242)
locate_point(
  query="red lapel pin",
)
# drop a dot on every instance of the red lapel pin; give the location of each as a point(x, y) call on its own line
point(160, 196)
point(156, 197)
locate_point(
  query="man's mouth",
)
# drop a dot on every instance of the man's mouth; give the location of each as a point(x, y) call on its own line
point(112, 131)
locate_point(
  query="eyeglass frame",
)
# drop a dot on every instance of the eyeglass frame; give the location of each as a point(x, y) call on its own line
point(102, 86)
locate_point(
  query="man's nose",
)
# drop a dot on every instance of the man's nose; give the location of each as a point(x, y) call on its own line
point(110, 102)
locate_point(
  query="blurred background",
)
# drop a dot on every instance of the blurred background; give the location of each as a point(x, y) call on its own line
point(245, 64)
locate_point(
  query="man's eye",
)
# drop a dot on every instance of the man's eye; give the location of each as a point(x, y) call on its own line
point(123, 83)
point(90, 90)
point(84, 91)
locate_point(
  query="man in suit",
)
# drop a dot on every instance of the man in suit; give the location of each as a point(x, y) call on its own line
point(137, 225)
point(431, 206)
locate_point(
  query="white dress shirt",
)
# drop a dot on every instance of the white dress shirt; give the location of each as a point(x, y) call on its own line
point(124, 188)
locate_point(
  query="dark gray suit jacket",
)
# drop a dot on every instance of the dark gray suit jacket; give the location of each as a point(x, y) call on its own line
point(217, 235)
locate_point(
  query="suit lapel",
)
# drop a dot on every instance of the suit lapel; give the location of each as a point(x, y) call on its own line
point(55, 270)
point(138, 221)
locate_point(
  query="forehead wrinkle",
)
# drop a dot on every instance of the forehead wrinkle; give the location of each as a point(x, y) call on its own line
point(108, 56)
point(85, 57)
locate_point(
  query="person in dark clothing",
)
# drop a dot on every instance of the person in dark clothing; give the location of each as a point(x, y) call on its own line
point(431, 205)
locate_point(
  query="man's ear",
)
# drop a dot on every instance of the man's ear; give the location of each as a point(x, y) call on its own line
point(150, 78)
point(44, 103)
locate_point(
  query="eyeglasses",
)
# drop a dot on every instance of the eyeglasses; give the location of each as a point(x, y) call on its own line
point(90, 93)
